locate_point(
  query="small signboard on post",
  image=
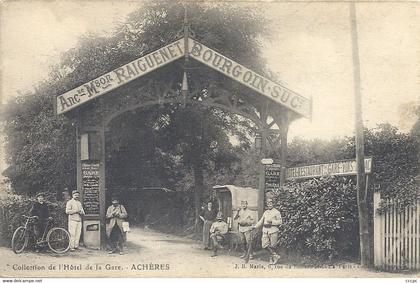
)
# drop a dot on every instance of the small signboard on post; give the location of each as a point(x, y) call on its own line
point(272, 172)
point(338, 168)
point(272, 177)
point(90, 181)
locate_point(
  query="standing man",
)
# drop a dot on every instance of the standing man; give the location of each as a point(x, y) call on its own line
point(245, 220)
point(75, 211)
point(270, 221)
point(116, 214)
point(41, 211)
point(208, 214)
point(218, 230)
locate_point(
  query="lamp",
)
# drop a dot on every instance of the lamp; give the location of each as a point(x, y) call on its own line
point(258, 140)
point(184, 87)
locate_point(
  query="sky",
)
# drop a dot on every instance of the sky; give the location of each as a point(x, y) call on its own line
point(310, 49)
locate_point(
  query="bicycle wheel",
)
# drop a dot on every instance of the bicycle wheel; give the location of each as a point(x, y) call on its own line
point(58, 240)
point(20, 240)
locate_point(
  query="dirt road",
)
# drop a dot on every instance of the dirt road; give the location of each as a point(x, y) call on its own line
point(153, 254)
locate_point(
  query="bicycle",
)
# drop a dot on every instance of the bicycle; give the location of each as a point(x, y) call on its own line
point(56, 238)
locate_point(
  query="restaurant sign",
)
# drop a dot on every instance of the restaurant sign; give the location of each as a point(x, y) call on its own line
point(339, 168)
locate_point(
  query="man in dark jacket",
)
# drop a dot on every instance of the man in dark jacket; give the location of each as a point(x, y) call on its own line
point(208, 215)
point(116, 214)
point(40, 209)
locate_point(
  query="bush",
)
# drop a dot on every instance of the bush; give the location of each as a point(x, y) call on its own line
point(319, 217)
point(13, 207)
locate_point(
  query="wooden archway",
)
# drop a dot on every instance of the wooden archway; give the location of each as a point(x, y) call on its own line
point(92, 120)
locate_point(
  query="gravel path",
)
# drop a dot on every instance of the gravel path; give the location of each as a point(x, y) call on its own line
point(153, 254)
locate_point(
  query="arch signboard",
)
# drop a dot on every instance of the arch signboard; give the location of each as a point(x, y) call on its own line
point(171, 52)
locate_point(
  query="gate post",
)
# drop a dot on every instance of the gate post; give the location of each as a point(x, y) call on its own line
point(91, 183)
point(377, 231)
point(263, 153)
point(284, 128)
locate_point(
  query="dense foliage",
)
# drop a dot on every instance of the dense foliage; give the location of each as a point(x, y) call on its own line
point(40, 147)
point(320, 217)
point(395, 159)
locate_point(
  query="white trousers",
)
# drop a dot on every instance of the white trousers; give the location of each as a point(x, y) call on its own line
point(75, 229)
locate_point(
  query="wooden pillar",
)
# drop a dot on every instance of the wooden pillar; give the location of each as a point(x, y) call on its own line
point(78, 161)
point(91, 183)
point(284, 128)
point(263, 153)
point(102, 188)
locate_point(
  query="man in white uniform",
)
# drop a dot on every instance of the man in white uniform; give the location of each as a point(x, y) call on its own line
point(270, 221)
point(245, 218)
point(75, 211)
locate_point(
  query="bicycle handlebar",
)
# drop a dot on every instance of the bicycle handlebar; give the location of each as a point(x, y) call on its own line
point(29, 217)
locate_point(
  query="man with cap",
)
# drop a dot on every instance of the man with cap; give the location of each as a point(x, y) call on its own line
point(41, 211)
point(116, 214)
point(75, 211)
point(245, 220)
point(218, 230)
point(270, 221)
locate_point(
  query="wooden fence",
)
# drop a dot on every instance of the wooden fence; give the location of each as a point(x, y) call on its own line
point(396, 237)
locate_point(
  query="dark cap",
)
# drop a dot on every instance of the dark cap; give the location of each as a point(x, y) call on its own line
point(115, 198)
point(40, 194)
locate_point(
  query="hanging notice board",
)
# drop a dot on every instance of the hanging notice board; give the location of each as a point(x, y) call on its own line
point(90, 180)
point(272, 177)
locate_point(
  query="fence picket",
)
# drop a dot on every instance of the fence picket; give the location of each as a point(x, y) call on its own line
point(418, 235)
point(394, 232)
point(389, 263)
point(397, 236)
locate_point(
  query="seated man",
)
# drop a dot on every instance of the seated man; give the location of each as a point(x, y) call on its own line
point(218, 230)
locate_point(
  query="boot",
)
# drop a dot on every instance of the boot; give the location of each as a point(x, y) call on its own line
point(244, 251)
point(214, 252)
point(276, 258)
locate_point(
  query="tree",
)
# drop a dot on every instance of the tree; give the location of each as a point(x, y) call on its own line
point(40, 147)
point(48, 161)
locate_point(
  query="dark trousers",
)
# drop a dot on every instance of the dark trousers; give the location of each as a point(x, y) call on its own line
point(206, 233)
point(217, 241)
point(116, 239)
point(39, 228)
